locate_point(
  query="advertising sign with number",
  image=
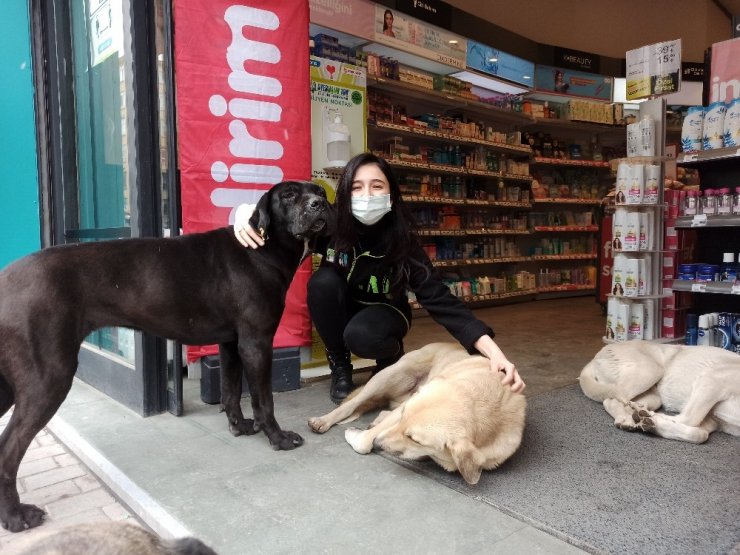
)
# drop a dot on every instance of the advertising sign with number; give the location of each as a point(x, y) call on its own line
point(654, 70)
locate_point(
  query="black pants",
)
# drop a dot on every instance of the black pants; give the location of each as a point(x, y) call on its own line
point(369, 331)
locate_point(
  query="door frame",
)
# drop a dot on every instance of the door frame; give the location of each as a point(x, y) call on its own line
point(142, 388)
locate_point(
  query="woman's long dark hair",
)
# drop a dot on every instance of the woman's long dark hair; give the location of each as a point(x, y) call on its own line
point(398, 229)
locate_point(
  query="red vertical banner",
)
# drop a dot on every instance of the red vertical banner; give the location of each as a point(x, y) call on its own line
point(243, 114)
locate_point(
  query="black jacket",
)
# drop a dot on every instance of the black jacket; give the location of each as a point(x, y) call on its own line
point(369, 282)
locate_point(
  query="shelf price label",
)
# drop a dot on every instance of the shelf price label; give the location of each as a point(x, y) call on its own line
point(700, 220)
point(735, 289)
point(698, 287)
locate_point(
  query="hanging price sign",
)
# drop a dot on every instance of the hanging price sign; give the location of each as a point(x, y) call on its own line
point(654, 70)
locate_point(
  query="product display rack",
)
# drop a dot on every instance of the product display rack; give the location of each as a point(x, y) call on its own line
point(715, 234)
point(464, 232)
point(652, 300)
point(418, 100)
point(572, 174)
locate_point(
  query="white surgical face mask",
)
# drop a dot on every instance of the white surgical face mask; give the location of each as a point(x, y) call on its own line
point(370, 209)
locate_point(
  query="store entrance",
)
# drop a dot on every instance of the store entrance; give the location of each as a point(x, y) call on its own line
point(97, 149)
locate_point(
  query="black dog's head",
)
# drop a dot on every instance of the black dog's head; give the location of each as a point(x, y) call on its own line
point(298, 208)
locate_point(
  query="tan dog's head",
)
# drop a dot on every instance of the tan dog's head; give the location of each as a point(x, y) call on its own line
point(440, 427)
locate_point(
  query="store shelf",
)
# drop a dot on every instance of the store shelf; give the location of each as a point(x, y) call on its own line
point(469, 232)
point(712, 221)
point(556, 257)
point(447, 101)
point(590, 202)
point(478, 261)
point(473, 300)
point(565, 228)
point(565, 288)
point(418, 199)
point(713, 155)
point(639, 205)
point(557, 124)
point(454, 170)
point(718, 287)
point(562, 162)
point(436, 135)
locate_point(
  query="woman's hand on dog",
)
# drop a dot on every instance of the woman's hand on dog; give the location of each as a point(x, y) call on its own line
point(243, 231)
point(499, 363)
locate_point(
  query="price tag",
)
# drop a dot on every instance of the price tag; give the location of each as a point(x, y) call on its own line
point(698, 287)
point(699, 220)
point(735, 289)
point(690, 157)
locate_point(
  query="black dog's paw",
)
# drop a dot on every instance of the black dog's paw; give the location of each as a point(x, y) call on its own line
point(243, 427)
point(27, 516)
point(285, 441)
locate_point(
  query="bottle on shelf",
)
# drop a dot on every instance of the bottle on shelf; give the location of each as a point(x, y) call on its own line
point(692, 330)
point(728, 269)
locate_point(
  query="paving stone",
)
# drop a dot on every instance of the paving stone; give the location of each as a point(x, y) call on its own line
point(51, 494)
point(35, 467)
point(54, 476)
point(116, 511)
point(66, 459)
point(88, 482)
point(72, 505)
point(44, 451)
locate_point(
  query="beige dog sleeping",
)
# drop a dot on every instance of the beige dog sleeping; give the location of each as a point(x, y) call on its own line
point(634, 379)
point(449, 406)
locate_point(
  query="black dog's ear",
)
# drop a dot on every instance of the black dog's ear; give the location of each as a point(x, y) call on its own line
point(260, 219)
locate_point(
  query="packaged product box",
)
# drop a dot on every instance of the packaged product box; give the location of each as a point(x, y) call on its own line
point(670, 238)
point(670, 265)
point(674, 323)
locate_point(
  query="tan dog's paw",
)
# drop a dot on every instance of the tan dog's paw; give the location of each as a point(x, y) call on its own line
point(318, 424)
point(357, 439)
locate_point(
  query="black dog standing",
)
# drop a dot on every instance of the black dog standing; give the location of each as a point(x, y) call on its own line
point(199, 289)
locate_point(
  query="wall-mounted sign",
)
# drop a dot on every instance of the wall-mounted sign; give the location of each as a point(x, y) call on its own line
point(354, 17)
point(432, 11)
point(575, 59)
point(654, 70)
point(692, 71)
point(416, 37)
point(555, 80)
point(497, 63)
point(338, 118)
point(724, 84)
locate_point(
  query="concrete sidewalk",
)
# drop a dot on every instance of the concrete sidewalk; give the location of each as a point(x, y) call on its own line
point(190, 476)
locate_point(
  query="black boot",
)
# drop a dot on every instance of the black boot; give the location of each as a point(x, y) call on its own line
point(341, 375)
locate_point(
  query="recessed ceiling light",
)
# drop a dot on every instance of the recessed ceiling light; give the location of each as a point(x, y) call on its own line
point(453, 41)
point(526, 77)
point(493, 59)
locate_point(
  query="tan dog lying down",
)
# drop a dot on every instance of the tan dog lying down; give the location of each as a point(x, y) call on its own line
point(635, 378)
point(449, 406)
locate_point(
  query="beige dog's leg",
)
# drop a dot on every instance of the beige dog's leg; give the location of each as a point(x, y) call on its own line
point(692, 424)
point(362, 440)
point(393, 383)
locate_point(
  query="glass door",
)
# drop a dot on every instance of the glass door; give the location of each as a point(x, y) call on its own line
point(101, 146)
